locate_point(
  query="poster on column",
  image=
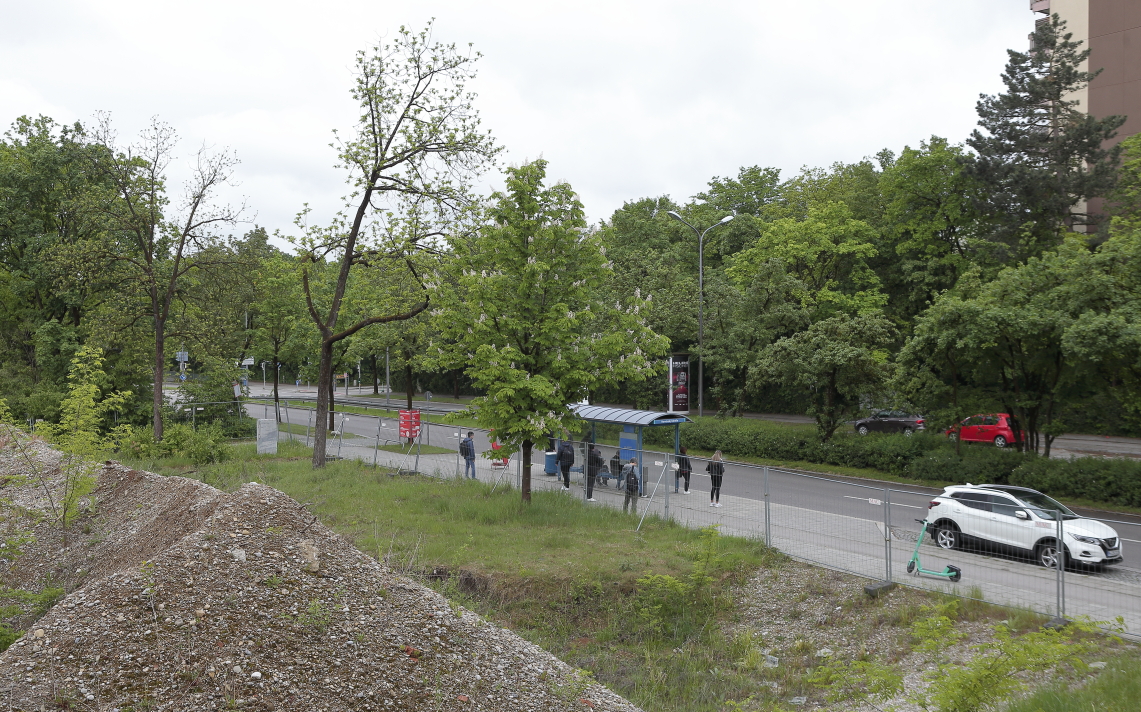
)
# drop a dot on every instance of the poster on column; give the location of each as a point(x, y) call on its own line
point(679, 383)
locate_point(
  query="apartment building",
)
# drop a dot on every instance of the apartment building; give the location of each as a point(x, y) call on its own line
point(1111, 29)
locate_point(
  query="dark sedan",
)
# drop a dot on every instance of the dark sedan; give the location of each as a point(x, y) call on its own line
point(890, 421)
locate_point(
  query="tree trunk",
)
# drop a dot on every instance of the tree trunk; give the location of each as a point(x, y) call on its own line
point(375, 377)
point(456, 385)
point(324, 403)
point(955, 408)
point(526, 487)
point(332, 397)
point(159, 373)
point(276, 375)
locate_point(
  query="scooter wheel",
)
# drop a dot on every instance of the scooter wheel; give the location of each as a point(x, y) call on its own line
point(956, 574)
point(911, 566)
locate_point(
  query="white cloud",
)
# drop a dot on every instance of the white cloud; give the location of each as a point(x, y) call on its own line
point(625, 99)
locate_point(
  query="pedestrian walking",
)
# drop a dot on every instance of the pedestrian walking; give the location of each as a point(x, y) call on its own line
point(467, 451)
point(684, 470)
point(716, 470)
point(594, 463)
point(564, 460)
point(630, 474)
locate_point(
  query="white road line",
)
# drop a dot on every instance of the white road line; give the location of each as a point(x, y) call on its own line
point(878, 502)
point(1132, 540)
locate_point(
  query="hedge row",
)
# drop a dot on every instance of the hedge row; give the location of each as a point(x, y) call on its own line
point(927, 457)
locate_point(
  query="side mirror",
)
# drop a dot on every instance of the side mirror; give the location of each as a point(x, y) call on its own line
point(1021, 514)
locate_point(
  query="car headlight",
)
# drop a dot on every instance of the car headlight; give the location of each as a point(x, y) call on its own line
point(1087, 539)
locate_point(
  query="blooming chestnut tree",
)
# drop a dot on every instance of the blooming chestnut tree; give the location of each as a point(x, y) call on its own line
point(524, 315)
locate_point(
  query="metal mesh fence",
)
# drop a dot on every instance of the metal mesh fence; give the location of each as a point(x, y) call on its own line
point(975, 544)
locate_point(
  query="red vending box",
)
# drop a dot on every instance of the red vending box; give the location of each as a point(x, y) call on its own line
point(409, 423)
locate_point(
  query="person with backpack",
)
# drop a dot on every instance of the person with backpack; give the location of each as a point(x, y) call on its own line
point(615, 469)
point(684, 470)
point(716, 470)
point(564, 460)
point(630, 474)
point(594, 463)
point(467, 451)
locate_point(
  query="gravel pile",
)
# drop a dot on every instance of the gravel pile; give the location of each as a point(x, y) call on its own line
point(183, 597)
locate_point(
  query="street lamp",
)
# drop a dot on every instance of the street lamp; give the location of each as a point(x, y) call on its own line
point(700, 302)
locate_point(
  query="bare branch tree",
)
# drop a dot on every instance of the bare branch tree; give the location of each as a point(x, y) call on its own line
point(418, 140)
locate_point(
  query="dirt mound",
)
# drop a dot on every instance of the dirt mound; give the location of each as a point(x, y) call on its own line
point(188, 598)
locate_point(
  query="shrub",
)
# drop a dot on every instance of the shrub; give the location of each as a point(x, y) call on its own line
point(202, 446)
point(1115, 481)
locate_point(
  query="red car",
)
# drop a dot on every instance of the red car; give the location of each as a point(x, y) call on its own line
point(997, 428)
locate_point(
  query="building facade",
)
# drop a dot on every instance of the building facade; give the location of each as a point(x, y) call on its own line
point(1111, 29)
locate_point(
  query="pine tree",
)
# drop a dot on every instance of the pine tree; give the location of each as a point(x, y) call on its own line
point(1041, 157)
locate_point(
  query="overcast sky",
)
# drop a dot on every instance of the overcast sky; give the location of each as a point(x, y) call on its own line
point(624, 99)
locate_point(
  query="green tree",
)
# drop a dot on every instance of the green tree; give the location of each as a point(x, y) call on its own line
point(154, 250)
point(527, 318)
point(1042, 157)
point(928, 227)
point(279, 315)
point(841, 360)
point(417, 146)
point(82, 435)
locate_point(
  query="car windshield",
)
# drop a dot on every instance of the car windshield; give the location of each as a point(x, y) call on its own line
point(1044, 506)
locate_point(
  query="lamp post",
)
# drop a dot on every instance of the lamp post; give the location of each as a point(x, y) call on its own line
point(700, 302)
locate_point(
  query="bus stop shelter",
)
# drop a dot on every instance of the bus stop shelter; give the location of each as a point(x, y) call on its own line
point(633, 423)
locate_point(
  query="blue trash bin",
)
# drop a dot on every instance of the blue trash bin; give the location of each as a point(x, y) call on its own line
point(550, 466)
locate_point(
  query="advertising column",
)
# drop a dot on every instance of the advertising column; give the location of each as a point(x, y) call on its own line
point(679, 383)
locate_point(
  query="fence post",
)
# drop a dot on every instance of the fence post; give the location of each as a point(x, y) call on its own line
point(768, 529)
point(887, 531)
point(341, 439)
point(308, 420)
point(669, 467)
point(288, 429)
point(376, 452)
point(1059, 564)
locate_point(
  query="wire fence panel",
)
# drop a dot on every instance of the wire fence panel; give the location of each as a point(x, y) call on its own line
point(976, 543)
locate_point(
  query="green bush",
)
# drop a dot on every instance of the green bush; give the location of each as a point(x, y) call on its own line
point(1111, 480)
point(205, 445)
point(975, 464)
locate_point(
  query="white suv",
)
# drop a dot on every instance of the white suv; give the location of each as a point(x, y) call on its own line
point(1021, 519)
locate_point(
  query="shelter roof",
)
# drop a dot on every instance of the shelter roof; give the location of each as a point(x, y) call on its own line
point(626, 416)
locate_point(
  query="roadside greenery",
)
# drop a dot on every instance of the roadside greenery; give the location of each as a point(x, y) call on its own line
point(655, 613)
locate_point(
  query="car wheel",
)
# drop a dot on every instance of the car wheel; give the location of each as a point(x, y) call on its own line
point(907, 432)
point(1000, 441)
point(948, 537)
point(862, 430)
point(1049, 556)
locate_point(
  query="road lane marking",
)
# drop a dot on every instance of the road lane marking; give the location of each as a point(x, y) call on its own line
point(1132, 540)
point(878, 502)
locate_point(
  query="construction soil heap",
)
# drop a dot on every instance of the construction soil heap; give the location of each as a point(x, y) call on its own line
point(183, 597)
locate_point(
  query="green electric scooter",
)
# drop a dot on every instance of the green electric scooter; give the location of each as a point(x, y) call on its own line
point(951, 573)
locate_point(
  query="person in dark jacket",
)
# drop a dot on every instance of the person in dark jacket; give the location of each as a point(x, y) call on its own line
point(716, 470)
point(565, 459)
point(616, 468)
point(594, 463)
point(467, 450)
point(630, 474)
point(684, 470)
